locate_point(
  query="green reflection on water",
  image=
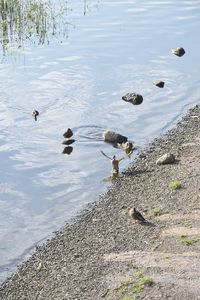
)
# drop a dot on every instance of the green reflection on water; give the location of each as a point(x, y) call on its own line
point(31, 20)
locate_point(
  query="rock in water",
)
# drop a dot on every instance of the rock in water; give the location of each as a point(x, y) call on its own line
point(179, 51)
point(113, 137)
point(159, 83)
point(165, 159)
point(133, 98)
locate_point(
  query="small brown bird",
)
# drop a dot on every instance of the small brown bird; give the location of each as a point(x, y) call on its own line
point(68, 133)
point(136, 215)
point(35, 114)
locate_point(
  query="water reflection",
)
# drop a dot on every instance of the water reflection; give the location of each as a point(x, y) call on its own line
point(67, 150)
point(37, 22)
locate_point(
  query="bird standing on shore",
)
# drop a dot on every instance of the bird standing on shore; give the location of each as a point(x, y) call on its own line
point(35, 114)
point(115, 164)
point(136, 215)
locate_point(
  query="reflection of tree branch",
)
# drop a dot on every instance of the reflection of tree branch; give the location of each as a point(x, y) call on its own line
point(35, 20)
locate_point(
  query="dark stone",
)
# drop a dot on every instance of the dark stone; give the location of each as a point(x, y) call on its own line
point(133, 98)
point(179, 51)
point(159, 83)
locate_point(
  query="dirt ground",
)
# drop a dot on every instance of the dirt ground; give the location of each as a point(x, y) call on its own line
point(102, 254)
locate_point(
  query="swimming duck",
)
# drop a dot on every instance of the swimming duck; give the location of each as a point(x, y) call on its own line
point(136, 215)
point(68, 133)
point(114, 137)
point(35, 114)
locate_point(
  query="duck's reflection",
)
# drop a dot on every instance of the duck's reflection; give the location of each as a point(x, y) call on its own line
point(67, 150)
point(68, 142)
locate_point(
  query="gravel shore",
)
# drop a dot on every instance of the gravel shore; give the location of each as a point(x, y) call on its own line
point(102, 254)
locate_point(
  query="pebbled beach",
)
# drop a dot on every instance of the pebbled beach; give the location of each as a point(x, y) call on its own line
point(103, 254)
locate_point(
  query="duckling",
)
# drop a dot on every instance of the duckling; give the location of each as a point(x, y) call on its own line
point(68, 133)
point(35, 114)
point(136, 215)
point(128, 147)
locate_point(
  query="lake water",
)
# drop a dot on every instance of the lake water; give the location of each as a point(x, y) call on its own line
point(77, 80)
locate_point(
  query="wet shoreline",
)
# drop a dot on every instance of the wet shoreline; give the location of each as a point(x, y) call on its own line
point(80, 261)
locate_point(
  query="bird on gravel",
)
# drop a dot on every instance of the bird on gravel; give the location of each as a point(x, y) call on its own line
point(136, 215)
point(68, 133)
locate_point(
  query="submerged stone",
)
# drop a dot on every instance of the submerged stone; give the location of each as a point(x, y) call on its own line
point(133, 98)
point(179, 51)
point(165, 159)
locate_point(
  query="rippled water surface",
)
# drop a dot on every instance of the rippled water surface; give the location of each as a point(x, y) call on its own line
point(77, 80)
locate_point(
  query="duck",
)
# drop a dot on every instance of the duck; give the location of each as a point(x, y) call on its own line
point(128, 147)
point(68, 133)
point(114, 137)
point(35, 114)
point(136, 215)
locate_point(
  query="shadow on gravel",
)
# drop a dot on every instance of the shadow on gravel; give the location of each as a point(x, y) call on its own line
point(147, 223)
point(136, 172)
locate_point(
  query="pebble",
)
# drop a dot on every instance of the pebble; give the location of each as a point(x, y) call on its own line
point(167, 158)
